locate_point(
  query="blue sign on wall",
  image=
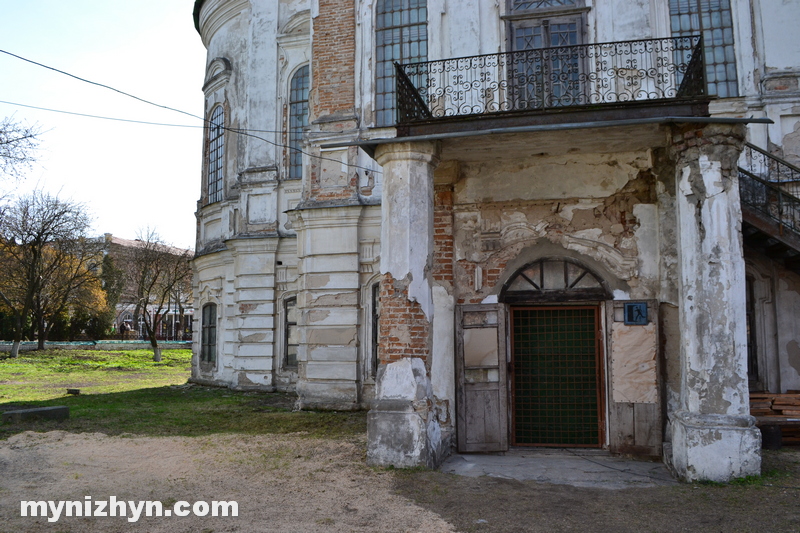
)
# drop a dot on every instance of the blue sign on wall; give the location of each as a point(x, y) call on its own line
point(635, 313)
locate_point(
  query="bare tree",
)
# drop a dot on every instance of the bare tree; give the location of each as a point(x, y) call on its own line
point(155, 273)
point(71, 271)
point(42, 244)
point(18, 145)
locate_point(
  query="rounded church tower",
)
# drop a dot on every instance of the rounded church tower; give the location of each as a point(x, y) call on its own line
point(256, 108)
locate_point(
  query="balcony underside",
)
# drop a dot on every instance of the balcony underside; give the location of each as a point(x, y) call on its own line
point(565, 116)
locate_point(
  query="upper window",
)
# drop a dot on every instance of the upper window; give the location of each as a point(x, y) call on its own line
point(298, 120)
point(208, 342)
point(216, 154)
point(548, 79)
point(712, 19)
point(402, 37)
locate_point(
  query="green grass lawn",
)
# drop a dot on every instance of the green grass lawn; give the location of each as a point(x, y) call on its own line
point(126, 392)
point(45, 375)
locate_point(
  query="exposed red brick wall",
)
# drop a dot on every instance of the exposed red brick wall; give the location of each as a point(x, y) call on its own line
point(404, 329)
point(333, 57)
point(443, 245)
point(346, 188)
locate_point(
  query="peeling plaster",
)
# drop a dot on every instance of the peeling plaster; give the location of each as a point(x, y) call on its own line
point(405, 379)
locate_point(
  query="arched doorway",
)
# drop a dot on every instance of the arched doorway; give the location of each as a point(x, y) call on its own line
point(555, 373)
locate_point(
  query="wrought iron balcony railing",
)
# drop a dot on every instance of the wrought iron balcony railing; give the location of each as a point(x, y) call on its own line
point(547, 78)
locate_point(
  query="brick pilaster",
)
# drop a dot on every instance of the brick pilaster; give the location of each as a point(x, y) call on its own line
point(333, 59)
point(443, 241)
point(404, 328)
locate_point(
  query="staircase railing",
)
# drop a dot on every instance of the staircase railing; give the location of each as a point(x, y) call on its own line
point(770, 185)
point(769, 199)
point(770, 168)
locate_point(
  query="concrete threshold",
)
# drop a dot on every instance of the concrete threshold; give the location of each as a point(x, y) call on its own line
point(579, 467)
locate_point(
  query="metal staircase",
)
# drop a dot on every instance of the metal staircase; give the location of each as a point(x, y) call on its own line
point(769, 189)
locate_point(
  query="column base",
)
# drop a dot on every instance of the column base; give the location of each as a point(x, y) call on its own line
point(399, 434)
point(327, 395)
point(714, 447)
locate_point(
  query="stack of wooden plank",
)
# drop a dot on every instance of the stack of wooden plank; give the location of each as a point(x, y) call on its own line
point(778, 409)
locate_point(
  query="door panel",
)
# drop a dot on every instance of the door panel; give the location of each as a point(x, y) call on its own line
point(556, 376)
point(481, 361)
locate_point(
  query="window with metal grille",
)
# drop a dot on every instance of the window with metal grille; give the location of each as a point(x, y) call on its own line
point(290, 333)
point(216, 154)
point(713, 20)
point(552, 78)
point(402, 37)
point(298, 120)
point(208, 343)
point(524, 5)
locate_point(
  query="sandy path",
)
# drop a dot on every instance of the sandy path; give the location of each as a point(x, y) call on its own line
point(282, 483)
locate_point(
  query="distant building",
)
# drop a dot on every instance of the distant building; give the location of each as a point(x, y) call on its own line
point(505, 223)
point(178, 314)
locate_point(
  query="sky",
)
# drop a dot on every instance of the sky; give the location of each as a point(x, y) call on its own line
point(129, 176)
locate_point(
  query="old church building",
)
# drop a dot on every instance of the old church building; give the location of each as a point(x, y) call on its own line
point(504, 223)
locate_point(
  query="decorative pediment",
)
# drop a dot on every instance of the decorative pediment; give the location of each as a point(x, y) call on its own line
point(298, 24)
point(218, 74)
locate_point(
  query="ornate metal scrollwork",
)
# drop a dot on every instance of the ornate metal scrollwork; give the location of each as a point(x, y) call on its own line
point(544, 78)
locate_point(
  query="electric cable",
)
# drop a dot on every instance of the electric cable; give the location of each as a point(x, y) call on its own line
point(100, 117)
point(205, 121)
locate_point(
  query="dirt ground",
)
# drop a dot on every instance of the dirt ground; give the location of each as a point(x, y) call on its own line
point(282, 483)
point(288, 483)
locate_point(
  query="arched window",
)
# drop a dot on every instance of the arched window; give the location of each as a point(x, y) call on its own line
point(552, 280)
point(298, 120)
point(208, 343)
point(401, 36)
point(216, 154)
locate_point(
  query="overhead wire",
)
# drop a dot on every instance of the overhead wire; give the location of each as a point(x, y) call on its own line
point(100, 117)
point(205, 121)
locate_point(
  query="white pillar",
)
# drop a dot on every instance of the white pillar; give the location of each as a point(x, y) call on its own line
point(713, 434)
point(402, 427)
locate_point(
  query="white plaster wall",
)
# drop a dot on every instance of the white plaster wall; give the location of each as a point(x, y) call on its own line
point(549, 177)
point(623, 21)
point(778, 25)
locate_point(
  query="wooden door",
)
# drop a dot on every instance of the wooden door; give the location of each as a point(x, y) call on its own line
point(482, 392)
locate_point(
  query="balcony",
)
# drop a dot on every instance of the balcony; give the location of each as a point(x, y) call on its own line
point(591, 82)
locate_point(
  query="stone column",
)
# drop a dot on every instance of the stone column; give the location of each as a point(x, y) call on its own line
point(402, 430)
point(713, 434)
